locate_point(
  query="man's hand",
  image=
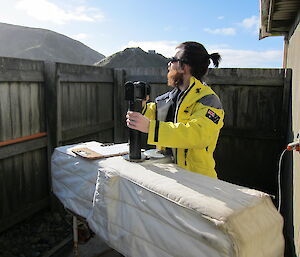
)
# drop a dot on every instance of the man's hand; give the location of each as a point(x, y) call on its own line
point(136, 120)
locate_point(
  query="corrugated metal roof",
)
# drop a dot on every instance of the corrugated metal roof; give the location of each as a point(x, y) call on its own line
point(277, 16)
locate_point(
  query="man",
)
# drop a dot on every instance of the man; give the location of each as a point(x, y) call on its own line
point(187, 119)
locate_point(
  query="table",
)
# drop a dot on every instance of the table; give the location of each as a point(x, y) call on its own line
point(155, 208)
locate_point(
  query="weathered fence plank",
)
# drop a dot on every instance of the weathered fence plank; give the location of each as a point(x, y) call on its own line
point(238, 77)
point(85, 102)
point(84, 73)
point(20, 70)
point(21, 110)
point(51, 102)
point(19, 148)
point(70, 134)
point(23, 156)
point(253, 135)
point(17, 76)
point(119, 106)
point(5, 118)
point(24, 186)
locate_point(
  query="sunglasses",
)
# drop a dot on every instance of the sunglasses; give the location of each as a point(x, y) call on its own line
point(174, 59)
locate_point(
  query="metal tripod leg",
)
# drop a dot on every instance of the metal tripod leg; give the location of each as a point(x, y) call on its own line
point(75, 237)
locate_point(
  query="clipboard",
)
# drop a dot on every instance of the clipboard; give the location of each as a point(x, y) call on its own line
point(87, 153)
point(109, 151)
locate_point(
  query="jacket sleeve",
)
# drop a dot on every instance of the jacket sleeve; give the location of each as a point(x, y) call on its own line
point(198, 132)
point(149, 110)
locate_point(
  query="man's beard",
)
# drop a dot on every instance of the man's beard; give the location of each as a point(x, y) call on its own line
point(175, 78)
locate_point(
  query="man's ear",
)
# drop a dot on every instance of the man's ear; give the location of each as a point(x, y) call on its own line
point(186, 69)
point(180, 68)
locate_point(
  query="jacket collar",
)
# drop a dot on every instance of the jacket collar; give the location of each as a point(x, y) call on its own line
point(194, 92)
point(173, 94)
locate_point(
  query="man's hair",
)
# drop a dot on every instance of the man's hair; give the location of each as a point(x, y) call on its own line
point(195, 55)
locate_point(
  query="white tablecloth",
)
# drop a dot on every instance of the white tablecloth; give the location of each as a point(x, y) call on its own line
point(155, 208)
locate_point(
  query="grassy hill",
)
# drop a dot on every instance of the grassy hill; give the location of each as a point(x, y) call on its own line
point(42, 44)
point(134, 57)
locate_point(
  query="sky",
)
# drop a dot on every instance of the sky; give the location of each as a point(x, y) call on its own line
point(229, 27)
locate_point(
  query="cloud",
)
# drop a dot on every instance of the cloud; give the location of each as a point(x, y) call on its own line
point(231, 58)
point(252, 22)
point(44, 10)
point(166, 48)
point(239, 58)
point(223, 31)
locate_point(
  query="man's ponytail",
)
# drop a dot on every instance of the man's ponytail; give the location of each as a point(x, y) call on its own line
point(216, 58)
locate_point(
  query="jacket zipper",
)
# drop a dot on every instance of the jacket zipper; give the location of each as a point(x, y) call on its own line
point(185, 155)
point(176, 114)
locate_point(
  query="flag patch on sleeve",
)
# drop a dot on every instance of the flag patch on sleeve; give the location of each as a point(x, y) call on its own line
point(212, 116)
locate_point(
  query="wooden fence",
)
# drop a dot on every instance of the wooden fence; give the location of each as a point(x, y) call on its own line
point(80, 103)
point(256, 103)
point(23, 141)
point(44, 105)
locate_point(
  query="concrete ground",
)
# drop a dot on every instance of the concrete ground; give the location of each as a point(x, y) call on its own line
point(95, 247)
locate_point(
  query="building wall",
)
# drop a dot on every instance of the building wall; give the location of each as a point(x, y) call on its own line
point(293, 61)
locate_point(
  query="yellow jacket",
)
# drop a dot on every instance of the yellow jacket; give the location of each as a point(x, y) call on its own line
point(194, 133)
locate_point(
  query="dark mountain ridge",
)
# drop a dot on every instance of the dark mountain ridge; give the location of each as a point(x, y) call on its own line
point(134, 57)
point(41, 44)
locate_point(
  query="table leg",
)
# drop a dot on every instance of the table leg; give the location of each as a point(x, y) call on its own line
point(75, 237)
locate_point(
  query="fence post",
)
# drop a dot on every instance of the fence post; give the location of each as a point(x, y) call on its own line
point(119, 106)
point(52, 119)
point(51, 101)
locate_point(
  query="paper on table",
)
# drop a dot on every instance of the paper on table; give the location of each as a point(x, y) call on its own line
point(97, 151)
